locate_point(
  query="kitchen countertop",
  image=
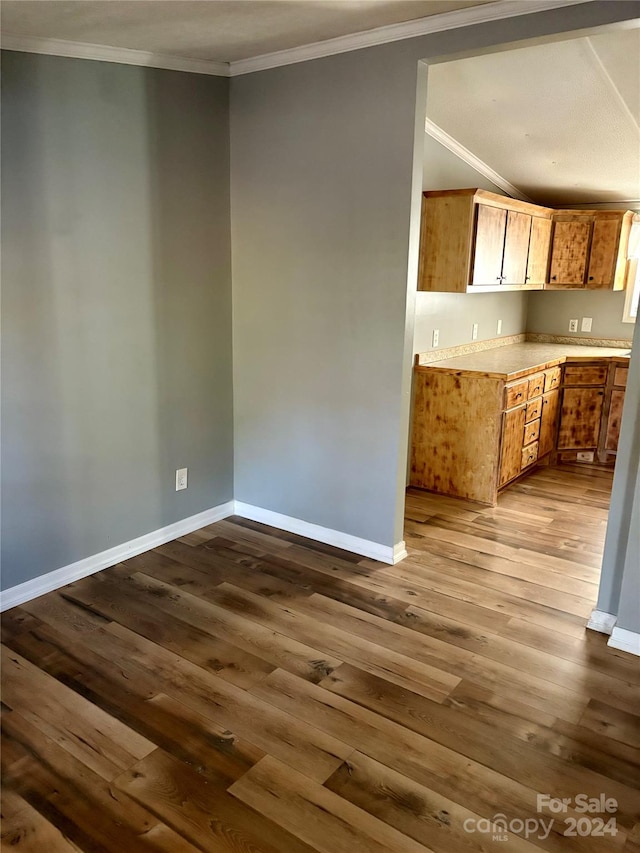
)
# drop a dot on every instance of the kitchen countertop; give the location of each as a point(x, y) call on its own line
point(516, 360)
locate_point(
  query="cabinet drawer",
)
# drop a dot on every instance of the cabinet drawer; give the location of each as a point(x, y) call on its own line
point(531, 432)
point(552, 379)
point(587, 375)
point(536, 385)
point(620, 377)
point(529, 455)
point(534, 410)
point(516, 393)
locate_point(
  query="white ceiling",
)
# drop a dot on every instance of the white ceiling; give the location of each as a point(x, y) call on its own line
point(560, 121)
point(215, 30)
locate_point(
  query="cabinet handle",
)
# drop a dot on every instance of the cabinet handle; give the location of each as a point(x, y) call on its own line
point(554, 277)
point(527, 277)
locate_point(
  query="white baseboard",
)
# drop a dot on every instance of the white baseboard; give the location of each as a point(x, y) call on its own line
point(626, 641)
point(374, 550)
point(60, 577)
point(601, 621)
point(16, 595)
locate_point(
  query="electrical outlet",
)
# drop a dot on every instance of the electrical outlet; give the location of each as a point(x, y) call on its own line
point(474, 332)
point(586, 324)
point(181, 479)
point(573, 325)
point(435, 338)
point(499, 328)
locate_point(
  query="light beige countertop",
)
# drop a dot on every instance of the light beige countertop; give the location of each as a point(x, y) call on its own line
point(516, 360)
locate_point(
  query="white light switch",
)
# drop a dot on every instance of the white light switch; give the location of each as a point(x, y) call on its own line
point(586, 324)
point(573, 325)
point(474, 332)
point(435, 339)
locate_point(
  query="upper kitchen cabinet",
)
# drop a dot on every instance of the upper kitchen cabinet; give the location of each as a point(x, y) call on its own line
point(589, 249)
point(474, 241)
point(477, 241)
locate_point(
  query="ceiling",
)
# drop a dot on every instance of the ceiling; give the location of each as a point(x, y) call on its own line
point(213, 30)
point(560, 122)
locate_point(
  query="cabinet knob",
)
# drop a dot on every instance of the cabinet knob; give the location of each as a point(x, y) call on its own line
point(527, 277)
point(590, 278)
point(554, 277)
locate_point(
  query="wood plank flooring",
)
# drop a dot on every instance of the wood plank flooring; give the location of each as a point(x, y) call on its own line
point(244, 689)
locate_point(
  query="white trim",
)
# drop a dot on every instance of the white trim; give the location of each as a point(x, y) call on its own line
point(469, 157)
point(374, 550)
point(626, 641)
point(399, 552)
point(106, 53)
point(60, 577)
point(397, 32)
point(330, 47)
point(601, 621)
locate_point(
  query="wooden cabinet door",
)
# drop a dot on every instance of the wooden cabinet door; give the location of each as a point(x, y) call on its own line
point(613, 421)
point(516, 248)
point(604, 253)
point(539, 243)
point(580, 418)
point(511, 452)
point(549, 422)
point(569, 252)
point(489, 245)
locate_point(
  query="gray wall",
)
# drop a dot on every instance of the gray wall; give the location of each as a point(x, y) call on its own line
point(116, 311)
point(324, 208)
point(549, 313)
point(619, 592)
point(454, 314)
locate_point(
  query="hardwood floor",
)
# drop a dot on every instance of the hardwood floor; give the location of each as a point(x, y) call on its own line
point(244, 689)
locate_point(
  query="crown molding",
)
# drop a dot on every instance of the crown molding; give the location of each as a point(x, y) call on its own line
point(106, 53)
point(476, 163)
point(342, 44)
point(397, 32)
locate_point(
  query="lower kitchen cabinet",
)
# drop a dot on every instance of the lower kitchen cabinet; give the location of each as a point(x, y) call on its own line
point(549, 422)
point(473, 434)
point(513, 425)
point(580, 418)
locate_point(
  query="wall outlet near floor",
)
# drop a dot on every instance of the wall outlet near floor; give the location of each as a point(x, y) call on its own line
point(585, 456)
point(181, 479)
point(499, 328)
point(573, 325)
point(586, 324)
point(474, 332)
point(435, 338)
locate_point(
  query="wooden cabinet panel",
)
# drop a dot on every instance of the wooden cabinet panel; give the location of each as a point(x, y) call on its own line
point(613, 422)
point(569, 248)
point(552, 378)
point(585, 375)
point(620, 377)
point(515, 393)
point(549, 422)
point(489, 245)
point(529, 455)
point(534, 410)
point(536, 385)
point(516, 248)
point(539, 243)
point(580, 418)
point(531, 432)
point(446, 234)
point(511, 452)
point(604, 251)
